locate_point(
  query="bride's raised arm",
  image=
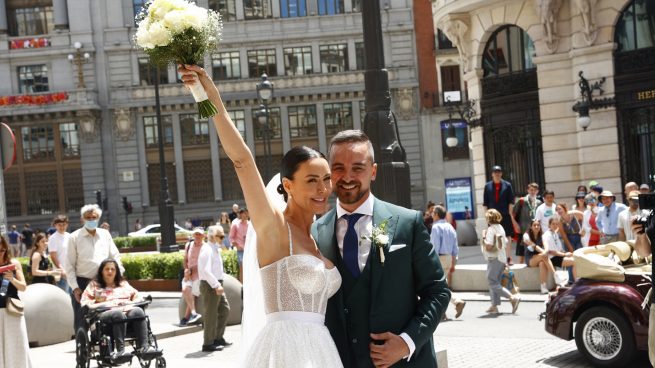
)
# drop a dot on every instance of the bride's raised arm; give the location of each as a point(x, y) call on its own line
point(267, 220)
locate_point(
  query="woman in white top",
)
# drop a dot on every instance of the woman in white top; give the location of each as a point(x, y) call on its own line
point(493, 249)
point(536, 255)
point(553, 245)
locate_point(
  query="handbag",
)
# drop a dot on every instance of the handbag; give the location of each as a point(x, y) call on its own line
point(15, 307)
point(483, 246)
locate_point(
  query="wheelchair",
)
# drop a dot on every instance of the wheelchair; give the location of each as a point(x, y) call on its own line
point(94, 341)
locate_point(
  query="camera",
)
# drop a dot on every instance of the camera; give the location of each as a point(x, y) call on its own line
point(647, 206)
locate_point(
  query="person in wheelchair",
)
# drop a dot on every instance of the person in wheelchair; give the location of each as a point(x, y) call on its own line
point(110, 290)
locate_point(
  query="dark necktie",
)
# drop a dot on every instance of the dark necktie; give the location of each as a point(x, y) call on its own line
point(351, 245)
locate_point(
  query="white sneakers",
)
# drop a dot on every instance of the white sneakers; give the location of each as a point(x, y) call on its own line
point(515, 300)
point(544, 288)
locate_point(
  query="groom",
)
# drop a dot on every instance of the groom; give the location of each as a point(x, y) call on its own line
point(387, 308)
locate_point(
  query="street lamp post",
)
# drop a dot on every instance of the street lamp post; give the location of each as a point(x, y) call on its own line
point(466, 112)
point(166, 210)
point(78, 59)
point(392, 182)
point(265, 96)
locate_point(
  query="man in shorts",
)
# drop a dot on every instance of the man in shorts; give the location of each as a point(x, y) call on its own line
point(191, 281)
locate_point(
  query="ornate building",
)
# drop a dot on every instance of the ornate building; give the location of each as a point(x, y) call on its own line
point(80, 100)
point(522, 61)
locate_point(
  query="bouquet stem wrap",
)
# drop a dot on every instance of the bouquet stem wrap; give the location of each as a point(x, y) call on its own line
point(206, 108)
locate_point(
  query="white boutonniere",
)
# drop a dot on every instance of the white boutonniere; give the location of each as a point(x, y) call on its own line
point(379, 237)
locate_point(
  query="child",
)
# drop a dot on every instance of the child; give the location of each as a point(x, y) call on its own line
point(493, 249)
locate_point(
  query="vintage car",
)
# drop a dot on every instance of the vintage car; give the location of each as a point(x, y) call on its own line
point(604, 309)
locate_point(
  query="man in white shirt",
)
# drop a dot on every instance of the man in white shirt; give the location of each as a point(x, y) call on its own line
point(625, 217)
point(546, 210)
point(57, 244)
point(216, 307)
point(88, 246)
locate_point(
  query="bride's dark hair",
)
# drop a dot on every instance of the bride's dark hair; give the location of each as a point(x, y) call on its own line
point(292, 160)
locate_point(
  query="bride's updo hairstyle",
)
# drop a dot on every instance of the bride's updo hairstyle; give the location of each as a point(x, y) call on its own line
point(292, 160)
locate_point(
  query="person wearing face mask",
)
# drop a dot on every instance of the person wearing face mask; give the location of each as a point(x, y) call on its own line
point(88, 246)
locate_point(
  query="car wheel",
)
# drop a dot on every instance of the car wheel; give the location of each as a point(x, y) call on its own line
point(605, 337)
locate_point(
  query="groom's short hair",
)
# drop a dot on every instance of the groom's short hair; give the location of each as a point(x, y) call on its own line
point(352, 136)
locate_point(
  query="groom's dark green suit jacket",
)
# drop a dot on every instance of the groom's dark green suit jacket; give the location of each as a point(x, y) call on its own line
point(407, 294)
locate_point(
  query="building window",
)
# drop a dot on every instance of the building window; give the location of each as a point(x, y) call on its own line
point(148, 73)
point(194, 132)
point(154, 181)
point(293, 8)
point(636, 26)
point(70, 142)
point(261, 61)
point(257, 9)
point(151, 134)
point(458, 130)
point(451, 83)
point(298, 60)
point(338, 117)
point(302, 121)
point(39, 192)
point(273, 123)
point(239, 119)
point(199, 181)
point(33, 79)
point(227, 9)
point(357, 5)
point(443, 42)
point(73, 189)
point(226, 65)
point(30, 21)
point(360, 56)
point(330, 7)
point(509, 50)
point(38, 143)
point(334, 58)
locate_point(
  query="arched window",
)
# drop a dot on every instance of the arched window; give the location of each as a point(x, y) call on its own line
point(509, 50)
point(636, 26)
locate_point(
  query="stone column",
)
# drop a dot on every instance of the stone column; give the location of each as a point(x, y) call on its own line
point(3, 17)
point(60, 8)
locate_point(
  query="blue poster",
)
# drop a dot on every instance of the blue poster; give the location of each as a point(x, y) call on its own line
point(459, 198)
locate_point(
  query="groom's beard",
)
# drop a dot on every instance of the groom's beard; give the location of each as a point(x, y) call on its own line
point(350, 196)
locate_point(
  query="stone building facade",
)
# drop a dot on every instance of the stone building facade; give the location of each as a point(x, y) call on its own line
point(92, 129)
point(521, 61)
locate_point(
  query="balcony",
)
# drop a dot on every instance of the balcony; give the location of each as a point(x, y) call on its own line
point(47, 102)
point(20, 43)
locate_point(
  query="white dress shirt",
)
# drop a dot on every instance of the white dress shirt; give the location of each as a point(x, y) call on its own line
point(58, 242)
point(210, 264)
point(363, 227)
point(86, 252)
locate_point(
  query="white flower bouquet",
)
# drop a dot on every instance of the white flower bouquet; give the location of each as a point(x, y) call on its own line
point(180, 32)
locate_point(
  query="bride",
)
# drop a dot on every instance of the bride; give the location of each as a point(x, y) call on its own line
point(296, 279)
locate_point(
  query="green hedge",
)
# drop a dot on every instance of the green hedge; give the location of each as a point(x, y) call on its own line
point(135, 241)
point(155, 265)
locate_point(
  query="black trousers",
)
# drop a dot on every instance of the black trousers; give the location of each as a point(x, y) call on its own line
point(118, 329)
point(78, 320)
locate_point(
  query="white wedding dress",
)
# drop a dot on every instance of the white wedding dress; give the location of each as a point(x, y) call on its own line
point(296, 291)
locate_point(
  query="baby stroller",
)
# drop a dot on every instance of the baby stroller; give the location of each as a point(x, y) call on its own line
point(93, 341)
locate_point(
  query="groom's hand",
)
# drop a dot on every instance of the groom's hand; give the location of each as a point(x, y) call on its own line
point(387, 349)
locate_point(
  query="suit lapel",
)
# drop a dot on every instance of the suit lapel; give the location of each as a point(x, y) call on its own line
point(380, 214)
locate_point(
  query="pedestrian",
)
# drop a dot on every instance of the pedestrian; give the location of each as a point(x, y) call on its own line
point(444, 241)
point(191, 282)
point(608, 217)
point(554, 246)
point(547, 209)
point(235, 212)
point(14, 347)
point(644, 188)
point(14, 241)
point(536, 255)
point(188, 224)
point(499, 195)
point(579, 204)
point(582, 188)
point(523, 213)
point(105, 225)
point(87, 247)
point(629, 187)
point(39, 263)
point(238, 232)
point(427, 215)
point(644, 242)
point(57, 245)
point(138, 225)
point(494, 247)
point(591, 235)
point(216, 308)
point(26, 235)
point(571, 228)
point(625, 218)
point(225, 223)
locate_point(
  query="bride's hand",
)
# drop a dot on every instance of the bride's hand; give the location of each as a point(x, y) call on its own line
point(191, 74)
